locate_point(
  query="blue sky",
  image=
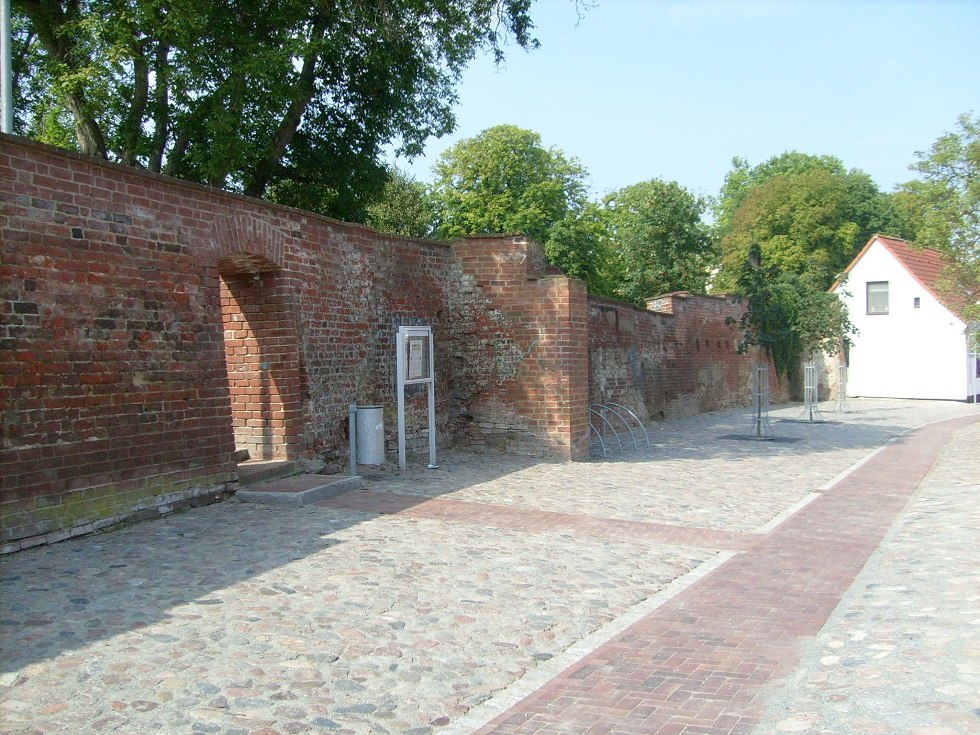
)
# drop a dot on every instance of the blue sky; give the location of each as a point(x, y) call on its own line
point(669, 89)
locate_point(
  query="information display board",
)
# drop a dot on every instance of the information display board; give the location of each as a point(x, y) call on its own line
point(415, 365)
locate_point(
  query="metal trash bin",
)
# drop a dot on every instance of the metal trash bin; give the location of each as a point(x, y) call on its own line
point(370, 435)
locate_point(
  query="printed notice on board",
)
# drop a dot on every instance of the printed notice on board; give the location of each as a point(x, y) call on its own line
point(418, 358)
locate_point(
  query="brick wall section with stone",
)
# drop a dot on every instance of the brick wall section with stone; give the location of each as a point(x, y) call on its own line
point(525, 348)
point(150, 325)
point(676, 358)
point(120, 292)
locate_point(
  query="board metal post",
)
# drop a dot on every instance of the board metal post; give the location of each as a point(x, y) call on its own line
point(415, 365)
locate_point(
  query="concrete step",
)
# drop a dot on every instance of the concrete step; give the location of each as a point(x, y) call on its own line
point(258, 470)
point(299, 489)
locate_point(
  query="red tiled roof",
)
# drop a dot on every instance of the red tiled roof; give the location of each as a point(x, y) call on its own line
point(923, 264)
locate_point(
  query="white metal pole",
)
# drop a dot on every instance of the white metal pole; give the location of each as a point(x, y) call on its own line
point(432, 404)
point(6, 69)
point(400, 389)
point(352, 430)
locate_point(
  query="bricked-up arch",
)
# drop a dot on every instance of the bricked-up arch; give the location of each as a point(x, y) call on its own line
point(262, 356)
point(247, 242)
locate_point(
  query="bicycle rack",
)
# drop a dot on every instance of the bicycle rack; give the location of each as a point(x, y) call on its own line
point(601, 411)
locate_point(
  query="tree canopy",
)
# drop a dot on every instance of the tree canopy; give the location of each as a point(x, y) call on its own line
point(404, 208)
point(943, 208)
point(743, 178)
point(640, 241)
point(788, 315)
point(505, 181)
point(808, 214)
point(657, 240)
point(786, 229)
point(578, 245)
point(280, 98)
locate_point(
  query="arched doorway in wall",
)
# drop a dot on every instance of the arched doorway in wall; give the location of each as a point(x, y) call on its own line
point(262, 357)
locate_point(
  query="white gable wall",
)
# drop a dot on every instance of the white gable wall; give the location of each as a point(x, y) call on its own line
point(909, 352)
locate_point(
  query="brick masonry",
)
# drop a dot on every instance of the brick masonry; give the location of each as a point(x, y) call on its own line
point(530, 348)
point(262, 360)
point(677, 357)
point(112, 388)
point(149, 326)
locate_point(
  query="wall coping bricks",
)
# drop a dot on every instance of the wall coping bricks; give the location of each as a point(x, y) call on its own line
point(203, 189)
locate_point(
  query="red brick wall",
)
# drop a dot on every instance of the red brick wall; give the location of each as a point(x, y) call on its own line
point(525, 347)
point(122, 291)
point(148, 325)
point(118, 287)
point(677, 358)
point(113, 394)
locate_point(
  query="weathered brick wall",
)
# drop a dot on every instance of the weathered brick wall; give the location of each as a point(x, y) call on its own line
point(113, 394)
point(676, 358)
point(353, 289)
point(117, 290)
point(522, 349)
point(149, 325)
point(328, 298)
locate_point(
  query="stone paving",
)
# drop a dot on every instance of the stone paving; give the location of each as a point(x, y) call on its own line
point(702, 662)
point(434, 601)
point(901, 653)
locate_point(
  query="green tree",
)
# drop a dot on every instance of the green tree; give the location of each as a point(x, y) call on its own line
point(657, 240)
point(943, 207)
point(743, 178)
point(808, 214)
point(770, 310)
point(578, 245)
point(788, 315)
point(283, 98)
point(505, 181)
point(404, 208)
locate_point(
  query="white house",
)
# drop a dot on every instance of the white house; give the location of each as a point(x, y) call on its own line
point(911, 341)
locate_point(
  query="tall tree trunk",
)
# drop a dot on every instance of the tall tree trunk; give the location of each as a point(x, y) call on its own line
point(18, 62)
point(88, 134)
point(175, 161)
point(161, 101)
point(49, 19)
point(133, 130)
point(302, 94)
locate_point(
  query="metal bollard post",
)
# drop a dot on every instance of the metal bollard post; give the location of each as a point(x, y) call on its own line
point(352, 430)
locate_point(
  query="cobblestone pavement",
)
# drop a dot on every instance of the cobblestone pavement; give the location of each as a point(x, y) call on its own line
point(435, 601)
point(901, 653)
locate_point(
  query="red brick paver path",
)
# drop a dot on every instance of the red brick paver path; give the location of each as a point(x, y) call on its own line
point(528, 519)
point(700, 663)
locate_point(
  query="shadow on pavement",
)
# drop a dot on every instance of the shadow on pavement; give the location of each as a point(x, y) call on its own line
point(61, 598)
point(58, 599)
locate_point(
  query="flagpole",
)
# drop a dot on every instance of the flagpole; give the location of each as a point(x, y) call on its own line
point(6, 70)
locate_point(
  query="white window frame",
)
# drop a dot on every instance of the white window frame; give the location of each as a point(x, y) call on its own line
point(875, 307)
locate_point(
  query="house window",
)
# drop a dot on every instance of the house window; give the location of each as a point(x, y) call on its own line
point(916, 302)
point(877, 297)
